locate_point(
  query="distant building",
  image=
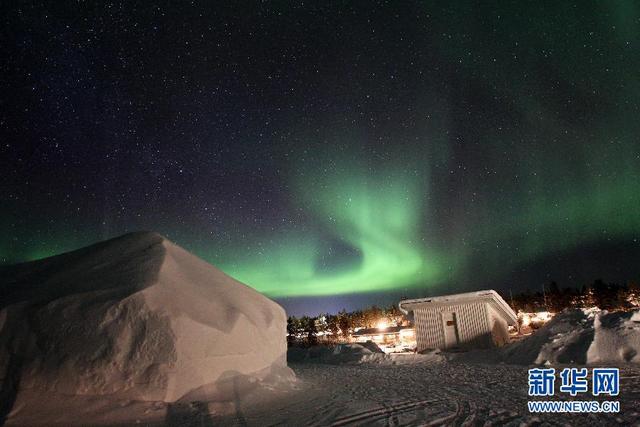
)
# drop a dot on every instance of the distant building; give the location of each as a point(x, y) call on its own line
point(392, 336)
point(469, 320)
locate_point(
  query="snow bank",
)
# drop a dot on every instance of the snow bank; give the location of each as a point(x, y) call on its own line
point(135, 318)
point(360, 348)
point(564, 339)
point(360, 353)
point(573, 337)
point(617, 338)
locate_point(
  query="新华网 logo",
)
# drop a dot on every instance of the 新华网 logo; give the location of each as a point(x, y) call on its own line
point(574, 381)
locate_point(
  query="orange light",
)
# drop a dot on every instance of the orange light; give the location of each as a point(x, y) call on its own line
point(382, 324)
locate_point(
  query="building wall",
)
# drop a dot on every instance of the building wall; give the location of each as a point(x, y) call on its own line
point(474, 328)
point(499, 328)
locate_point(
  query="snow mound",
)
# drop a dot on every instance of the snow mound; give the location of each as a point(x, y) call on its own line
point(368, 347)
point(574, 337)
point(360, 353)
point(617, 338)
point(335, 355)
point(138, 318)
point(564, 339)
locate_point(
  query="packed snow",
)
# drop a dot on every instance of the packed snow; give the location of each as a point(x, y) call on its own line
point(415, 394)
point(96, 334)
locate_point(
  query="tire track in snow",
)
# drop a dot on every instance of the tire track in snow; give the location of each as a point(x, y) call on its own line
point(462, 410)
point(389, 412)
point(471, 418)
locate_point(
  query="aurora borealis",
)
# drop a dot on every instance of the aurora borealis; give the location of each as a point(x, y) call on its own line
point(365, 236)
point(330, 154)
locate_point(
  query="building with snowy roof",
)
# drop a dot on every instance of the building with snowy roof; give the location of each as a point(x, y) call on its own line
point(469, 320)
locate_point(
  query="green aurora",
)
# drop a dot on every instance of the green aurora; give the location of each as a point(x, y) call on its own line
point(378, 217)
point(388, 219)
point(458, 144)
point(375, 226)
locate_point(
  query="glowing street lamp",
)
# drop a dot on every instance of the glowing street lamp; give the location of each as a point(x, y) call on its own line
point(382, 325)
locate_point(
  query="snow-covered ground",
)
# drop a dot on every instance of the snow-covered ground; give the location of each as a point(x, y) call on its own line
point(356, 386)
point(414, 391)
point(417, 394)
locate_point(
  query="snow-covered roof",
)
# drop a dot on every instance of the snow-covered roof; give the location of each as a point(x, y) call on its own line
point(489, 295)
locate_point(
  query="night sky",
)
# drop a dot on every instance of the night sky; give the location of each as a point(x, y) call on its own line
point(330, 154)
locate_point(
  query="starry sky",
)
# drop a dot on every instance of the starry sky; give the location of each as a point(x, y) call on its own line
point(330, 154)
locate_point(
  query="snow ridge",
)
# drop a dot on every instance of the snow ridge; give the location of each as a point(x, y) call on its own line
point(135, 317)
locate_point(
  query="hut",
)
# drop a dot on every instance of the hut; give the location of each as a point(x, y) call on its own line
point(461, 321)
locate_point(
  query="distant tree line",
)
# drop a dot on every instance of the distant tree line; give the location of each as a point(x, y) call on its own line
point(331, 328)
point(606, 296)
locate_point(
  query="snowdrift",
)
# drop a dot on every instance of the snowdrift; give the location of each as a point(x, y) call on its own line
point(564, 339)
point(574, 337)
point(136, 318)
point(358, 353)
point(616, 338)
